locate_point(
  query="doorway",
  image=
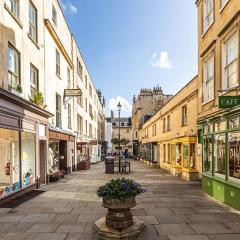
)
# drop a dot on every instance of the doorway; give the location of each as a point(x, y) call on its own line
point(43, 161)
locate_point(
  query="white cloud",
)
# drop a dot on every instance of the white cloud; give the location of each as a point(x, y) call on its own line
point(126, 106)
point(160, 60)
point(69, 8)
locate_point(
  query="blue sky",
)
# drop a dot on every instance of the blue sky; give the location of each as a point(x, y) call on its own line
point(134, 44)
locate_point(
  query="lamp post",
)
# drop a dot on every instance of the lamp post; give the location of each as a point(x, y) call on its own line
point(119, 106)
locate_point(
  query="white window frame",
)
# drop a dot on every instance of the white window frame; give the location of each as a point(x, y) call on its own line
point(13, 67)
point(207, 79)
point(54, 15)
point(33, 74)
point(32, 22)
point(225, 66)
point(208, 15)
point(223, 4)
point(14, 7)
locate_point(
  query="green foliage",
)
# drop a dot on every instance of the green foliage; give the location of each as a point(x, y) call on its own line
point(120, 189)
point(123, 141)
point(37, 99)
point(19, 88)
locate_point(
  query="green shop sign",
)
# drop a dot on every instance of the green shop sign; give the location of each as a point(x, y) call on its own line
point(229, 101)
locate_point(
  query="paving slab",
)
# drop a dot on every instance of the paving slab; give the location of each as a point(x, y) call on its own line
point(72, 228)
point(50, 236)
point(210, 228)
point(38, 218)
point(188, 237)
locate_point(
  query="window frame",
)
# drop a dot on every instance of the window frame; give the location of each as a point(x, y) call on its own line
point(16, 74)
point(58, 111)
point(54, 18)
point(31, 24)
point(206, 82)
point(224, 80)
point(208, 14)
point(32, 86)
point(58, 65)
point(184, 115)
point(69, 116)
point(14, 8)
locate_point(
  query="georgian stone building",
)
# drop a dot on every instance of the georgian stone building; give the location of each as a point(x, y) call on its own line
point(44, 126)
point(145, 105)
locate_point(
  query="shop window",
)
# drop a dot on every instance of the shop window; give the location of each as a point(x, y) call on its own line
point(208, 14)
point(178, 154)
point(32, 22)
point(207, 154)
point(53, 156)
point(13, 67)
point(234, 155)
point(28, 158)
point(185, 156)
point(208, 128)
point(220, 126)
point(9, 162)
point(173, 157)
point(219, 154)
point(234, 122)
point(229, 62)
point(169, 153)
point(192, 156)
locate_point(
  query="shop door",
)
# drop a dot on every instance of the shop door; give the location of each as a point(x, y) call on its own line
point(43, 161)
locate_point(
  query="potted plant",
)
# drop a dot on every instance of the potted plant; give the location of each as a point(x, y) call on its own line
point(119, 197)
point(37, 98)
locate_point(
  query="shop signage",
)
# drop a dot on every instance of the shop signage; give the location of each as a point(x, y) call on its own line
point(93, 142)
point(72, 92)
point(229, 101)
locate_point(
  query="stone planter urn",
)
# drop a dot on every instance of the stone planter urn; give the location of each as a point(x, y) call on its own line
point(119, 197)
point(119, 214)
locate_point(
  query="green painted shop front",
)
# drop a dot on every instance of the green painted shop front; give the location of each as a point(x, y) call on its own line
point(220, 139)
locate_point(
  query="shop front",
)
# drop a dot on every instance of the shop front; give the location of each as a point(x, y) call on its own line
point(183, 158)
point(83, 155)
point(23, 141)
point(220, 139)
point(61, 154)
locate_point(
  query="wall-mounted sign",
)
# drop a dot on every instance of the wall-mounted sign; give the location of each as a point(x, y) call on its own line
point(229, 101)
point(72, 92)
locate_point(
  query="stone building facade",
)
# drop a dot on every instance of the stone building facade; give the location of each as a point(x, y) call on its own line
point(145, 105)
point(41, 72)
point(218, 83)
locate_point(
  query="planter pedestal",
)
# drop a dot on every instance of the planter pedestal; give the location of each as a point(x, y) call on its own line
point(104, 232)
point(119, 222)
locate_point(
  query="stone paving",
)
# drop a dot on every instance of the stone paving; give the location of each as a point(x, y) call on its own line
point(172, 209)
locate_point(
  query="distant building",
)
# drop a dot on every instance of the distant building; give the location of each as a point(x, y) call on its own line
point(145, 105)
point(108, 134)
point(125, 133)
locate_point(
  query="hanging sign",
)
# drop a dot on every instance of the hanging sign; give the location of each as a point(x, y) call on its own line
point(229, 101)
point(72, 92)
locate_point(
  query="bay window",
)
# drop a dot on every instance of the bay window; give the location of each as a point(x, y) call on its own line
point(230, 62)
point(208, 79)
point(208, 14)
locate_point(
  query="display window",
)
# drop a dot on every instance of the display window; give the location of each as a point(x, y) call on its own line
point(173, 154)
point(185, 156)
point(178, 154)
point(207, 154)
point(9, 162)
point(192, 156)
point(219, 154)
point(28, 151)
point(53, 156)
point(234, 155)
point(220, 126)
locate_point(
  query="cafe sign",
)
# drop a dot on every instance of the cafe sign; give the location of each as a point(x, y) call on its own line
point(72, 92)
point(229, 101)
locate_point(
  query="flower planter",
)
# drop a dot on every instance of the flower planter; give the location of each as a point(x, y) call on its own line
point(85, 165)
point(119, 214)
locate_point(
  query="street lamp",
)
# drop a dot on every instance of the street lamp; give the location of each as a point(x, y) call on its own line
point(119, 106)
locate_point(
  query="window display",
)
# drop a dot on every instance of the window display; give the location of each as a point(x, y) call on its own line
point(53, 156)
point(207, 154)
point(192, 155)
point(173, 154)
point(219, 154)
point(9, 162)
point(178, 155)
point(28, 158)
point(185, 156)
point(234, 155)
